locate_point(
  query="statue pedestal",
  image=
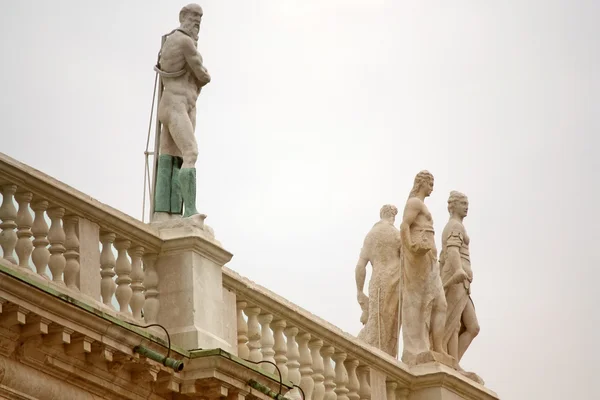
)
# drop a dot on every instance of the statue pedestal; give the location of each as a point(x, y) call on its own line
point(191, 285)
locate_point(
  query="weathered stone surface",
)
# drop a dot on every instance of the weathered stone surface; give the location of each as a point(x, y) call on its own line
point(381, 248)
point(423, 301)
point(455, 266)
point(183, 75)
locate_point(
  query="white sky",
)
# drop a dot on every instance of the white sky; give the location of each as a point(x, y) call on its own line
point(321, 111)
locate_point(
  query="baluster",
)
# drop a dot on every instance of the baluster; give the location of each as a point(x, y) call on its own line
point(353, 383)
point(327, 353)
point(318, 367)
point(267, 342)
point(123, 270)
point(57, 237)
point(391, 390)
point(24, 246)
point(293, 363)
point(137, 282)
point(152, 302)
point(107, 268)
point(363, 379)
point(41, 254)
point(280, 347)
point(253, 333)
point(242, 331)
point(402, 393)
point(8, 215)
point(72, 254)
point(306, 380)
point(341, 375)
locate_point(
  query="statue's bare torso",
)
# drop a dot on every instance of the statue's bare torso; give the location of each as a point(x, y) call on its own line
point(185, 88)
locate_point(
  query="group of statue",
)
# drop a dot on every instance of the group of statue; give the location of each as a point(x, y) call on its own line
point(410, 289)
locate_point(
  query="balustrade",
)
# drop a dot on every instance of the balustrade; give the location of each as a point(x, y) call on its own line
point(123, 292)
point(326, 363)
point(242, 331)
point(41, 234)
point(72, 252)
point(41, 254)
point(24, 246)
point(137, 281)
point(8, 215)
point(253, 334)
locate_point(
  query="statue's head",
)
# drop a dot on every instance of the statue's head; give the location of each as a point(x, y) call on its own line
point(458, 204)
point(423, 183)
point(388, 211)
point(190, 17)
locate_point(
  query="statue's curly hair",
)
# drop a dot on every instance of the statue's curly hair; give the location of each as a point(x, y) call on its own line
point(190, 8)
point(454, 197)
point(421, 177)
point(388, 211)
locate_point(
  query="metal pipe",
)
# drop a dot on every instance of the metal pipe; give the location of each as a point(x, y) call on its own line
point(172, 363)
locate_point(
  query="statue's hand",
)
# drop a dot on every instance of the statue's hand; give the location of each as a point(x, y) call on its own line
point(420, 248)
point(363, 300)
point(458, 277)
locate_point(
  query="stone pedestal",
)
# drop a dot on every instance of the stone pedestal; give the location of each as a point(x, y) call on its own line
point(191, 286)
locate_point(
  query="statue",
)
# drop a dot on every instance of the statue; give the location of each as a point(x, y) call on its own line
point(423, 302)
point(381, 248)
point(183, 76)
point(457, 275)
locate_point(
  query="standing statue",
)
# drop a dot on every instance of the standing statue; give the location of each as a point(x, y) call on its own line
point(457, 275)
point(381, 248)
point(183, 76)
point(423, 302)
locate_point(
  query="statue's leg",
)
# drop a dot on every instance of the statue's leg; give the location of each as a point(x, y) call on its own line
point(162, 190)
point(469, 319)
point(414, 329)
point(182, 131)
point(453, 345)
point(438, 321)
point(176, 198)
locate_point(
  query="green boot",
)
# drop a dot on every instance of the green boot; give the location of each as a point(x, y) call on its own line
point(162, 190)
point(176, 200)
point(187, 179)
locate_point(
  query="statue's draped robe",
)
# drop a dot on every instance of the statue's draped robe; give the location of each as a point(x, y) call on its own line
point(457, 295)
point(381, 247)
point(421, 288)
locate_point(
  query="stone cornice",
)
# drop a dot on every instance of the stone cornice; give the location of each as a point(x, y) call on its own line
point(72, 312)
point(76, 202)
point(199, 245)
point(438, 375)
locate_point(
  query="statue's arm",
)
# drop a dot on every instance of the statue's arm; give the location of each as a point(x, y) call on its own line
point(194, 60)
point(360, 273)
point(453, 270)
point(411, 211)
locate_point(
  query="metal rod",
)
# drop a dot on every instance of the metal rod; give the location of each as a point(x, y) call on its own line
point(156, 139)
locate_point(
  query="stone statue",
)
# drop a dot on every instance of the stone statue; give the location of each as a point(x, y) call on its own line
point(423, 301)
point(381, 248)
point(457, 275)
point(183, 76)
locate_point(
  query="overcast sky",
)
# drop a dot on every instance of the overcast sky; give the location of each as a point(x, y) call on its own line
point(321, 111)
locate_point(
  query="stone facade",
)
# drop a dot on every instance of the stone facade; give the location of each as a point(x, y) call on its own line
point(74, 293)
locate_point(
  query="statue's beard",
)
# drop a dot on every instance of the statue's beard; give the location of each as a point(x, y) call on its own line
point(191, 29)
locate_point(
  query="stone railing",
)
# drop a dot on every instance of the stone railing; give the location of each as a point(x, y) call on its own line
point(96, 254)
point(78, 244)
point(327, 363)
